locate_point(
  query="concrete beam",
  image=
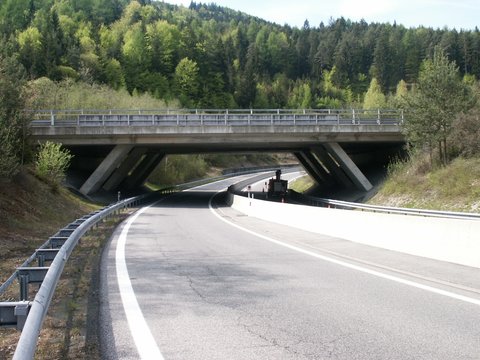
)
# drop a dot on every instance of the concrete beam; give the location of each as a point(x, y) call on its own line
point(105, 169)
point(122, 171)
point(335, 170)
point(143, 170)
point(309, 167)
point(352, 171)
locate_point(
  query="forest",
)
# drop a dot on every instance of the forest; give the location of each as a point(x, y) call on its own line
point(100, 54)
point(207, 56)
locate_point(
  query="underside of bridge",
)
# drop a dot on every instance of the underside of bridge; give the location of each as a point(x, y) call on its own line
point(126, 167)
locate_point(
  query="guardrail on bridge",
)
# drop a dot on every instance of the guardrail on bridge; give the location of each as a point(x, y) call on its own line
point(216, 117)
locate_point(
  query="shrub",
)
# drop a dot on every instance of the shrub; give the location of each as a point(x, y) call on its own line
point(52, 162)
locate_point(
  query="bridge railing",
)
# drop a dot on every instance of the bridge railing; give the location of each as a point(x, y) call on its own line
point(216, 117)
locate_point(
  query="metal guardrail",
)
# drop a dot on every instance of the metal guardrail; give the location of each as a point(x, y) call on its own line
point(216, 117)
point(338, 204)
point(29, 315)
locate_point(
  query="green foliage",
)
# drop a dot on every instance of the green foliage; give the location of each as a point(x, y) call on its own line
point(414, 183)
point(465, 136)
point(52, 162)
point(177, 169)
point(186, 81)
point(399, 101)
point(301, 96)
point(68, 94)
point(241, 61)
point(374, 98)
point(13, 119)
point(441, 95)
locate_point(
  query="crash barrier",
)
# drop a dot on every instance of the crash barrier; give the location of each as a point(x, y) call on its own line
point(445, 236)
point(28, 315)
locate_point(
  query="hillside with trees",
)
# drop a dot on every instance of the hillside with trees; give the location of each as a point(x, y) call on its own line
point(122, 53)
point(209, 56)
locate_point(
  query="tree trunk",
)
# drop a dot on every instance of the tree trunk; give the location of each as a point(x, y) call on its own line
point(440, 149)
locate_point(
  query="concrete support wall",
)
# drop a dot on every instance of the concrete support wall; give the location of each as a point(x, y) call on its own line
point(121, 173)
point(143, 170)
point(313, 169)
point(336, 171)
point(105, 169)
point(352, 171)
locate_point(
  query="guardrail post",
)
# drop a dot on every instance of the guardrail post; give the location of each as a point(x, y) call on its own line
point(378, 116)
point(353, 116)
point(21, 312)
point(41, 260)
point(52, 118)
point(23, 280)
point(401, 115)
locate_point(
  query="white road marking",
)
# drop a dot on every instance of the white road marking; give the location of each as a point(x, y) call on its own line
point(348, 265)
point(146, 346)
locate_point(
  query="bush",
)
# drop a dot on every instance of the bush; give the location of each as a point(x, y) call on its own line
point(52, 162)
point(465, 137)
point(13, 119)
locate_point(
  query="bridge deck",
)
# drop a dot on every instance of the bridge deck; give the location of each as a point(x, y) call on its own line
point(203, 126)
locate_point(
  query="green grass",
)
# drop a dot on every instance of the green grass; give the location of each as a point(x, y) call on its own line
point(415, 184)
point(301, 184)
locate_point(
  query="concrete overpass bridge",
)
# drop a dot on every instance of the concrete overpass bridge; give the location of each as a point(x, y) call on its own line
point(120, 148)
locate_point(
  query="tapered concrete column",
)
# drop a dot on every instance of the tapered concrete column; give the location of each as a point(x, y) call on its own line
point(337, 172)
point(309, 168)
point(143, 170)
point(122, 171)
point(105, 169)
point(352, 171)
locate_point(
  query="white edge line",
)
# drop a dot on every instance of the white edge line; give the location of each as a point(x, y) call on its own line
point(146, 345)
point(349, 265)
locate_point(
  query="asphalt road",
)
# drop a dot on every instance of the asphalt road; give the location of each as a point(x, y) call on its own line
point(181, 282)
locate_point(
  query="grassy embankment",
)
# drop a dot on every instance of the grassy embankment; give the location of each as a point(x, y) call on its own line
point(414, 184)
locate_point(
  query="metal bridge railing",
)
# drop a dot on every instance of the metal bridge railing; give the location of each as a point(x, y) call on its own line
point(216, 117)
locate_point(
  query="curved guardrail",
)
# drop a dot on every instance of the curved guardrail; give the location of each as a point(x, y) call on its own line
point(322, 202)
point(29, 315)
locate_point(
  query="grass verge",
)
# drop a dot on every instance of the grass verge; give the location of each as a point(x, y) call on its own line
point(413, 184)
point(31, 211)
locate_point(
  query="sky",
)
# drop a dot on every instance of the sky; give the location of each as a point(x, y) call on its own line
point(458, 14)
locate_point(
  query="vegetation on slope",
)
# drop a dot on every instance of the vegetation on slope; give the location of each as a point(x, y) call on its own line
point(30, 212)
point(415, 184)
point(211, 56)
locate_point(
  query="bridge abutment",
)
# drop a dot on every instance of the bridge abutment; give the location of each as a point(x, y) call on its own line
point(121, 173)
point(350, 168)
point(105, 169)
point(143, 170)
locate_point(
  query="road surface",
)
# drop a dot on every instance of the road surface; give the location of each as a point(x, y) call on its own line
point(189, 278)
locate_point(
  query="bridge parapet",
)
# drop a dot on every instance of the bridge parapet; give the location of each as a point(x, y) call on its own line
point(216, 117)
